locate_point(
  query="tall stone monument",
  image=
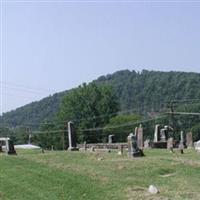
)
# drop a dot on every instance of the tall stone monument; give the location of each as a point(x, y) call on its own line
point(181, 143)
point(133, 150)
point(189, 140)
point(140, 140)
point(72, 137)
point(157, 133)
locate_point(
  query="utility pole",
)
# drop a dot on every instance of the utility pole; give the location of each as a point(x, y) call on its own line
point(172, 121)
point(29, 135)
point(64, 133)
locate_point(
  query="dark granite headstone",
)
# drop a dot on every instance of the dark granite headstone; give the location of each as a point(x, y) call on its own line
point(11, 149)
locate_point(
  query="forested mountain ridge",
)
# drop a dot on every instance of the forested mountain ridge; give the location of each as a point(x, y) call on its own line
point(34, 113)
point(139, 92)
point(146, 91)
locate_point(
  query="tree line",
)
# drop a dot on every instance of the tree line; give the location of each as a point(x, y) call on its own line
point(104, 106)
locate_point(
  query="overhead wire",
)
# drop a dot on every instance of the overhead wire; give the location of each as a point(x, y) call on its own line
point(20, 86)
point(58, 122)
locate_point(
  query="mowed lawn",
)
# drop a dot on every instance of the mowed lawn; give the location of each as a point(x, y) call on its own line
point(33, 175)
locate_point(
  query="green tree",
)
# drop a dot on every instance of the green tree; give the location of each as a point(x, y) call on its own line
point(89, 106)
point(121, 126)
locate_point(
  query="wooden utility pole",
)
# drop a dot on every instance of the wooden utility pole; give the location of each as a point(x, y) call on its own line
point(172, 121)
point(64, 134)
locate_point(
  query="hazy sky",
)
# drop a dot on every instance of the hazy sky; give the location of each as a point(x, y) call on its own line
point(54, 46)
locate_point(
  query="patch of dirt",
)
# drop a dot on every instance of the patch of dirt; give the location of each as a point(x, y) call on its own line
point(187, 162)
point(121, 167)
point(1, 195)
point(141, 193)
point(167, 175)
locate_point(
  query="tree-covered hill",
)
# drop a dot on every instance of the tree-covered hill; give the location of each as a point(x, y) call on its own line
point(139, 92)
point(33, 114)
point(147, 91)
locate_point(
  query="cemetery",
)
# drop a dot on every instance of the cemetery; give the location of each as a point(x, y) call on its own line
point(161, 168)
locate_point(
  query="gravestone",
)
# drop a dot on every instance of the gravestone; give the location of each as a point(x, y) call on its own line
point(85, 146)
point(157, 133)
point(72, 137)
point(189, 140)
point(11, 149)
point(9, 145)
point(92, 149)
point(163, 137)
point(120, 149)
point(133, 150)
point(181, 143)
point(197, 146)
point(182, 138)
point(136, 131)
point(147, 144)
point(110, 139)
point(140, 141)
point(170, 144)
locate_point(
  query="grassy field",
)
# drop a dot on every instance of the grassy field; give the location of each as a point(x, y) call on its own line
point(32, 175)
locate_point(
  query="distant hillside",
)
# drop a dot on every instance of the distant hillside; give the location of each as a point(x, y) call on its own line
point(140, 92)
point(34, 113)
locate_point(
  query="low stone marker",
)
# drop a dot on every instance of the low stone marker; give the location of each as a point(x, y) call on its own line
point(153, 190)
point(147, 144)
point(170, 144)
point(110, 139)
point(163, 137)
point(9, 146)
point(92, 149)
point(197, 146)
point(120, 150)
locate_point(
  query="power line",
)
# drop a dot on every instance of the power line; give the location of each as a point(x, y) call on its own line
point(123, 125)
point(16, 95)
point(53, 131)
point(181, 100)
point(23, 90)
point(82, 119)
point(183, 113)
point(10, 84)
point(130, 111)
